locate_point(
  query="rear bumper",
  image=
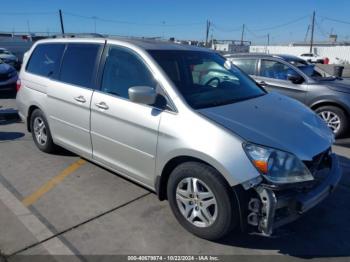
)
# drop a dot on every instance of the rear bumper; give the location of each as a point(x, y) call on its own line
point(280, 208)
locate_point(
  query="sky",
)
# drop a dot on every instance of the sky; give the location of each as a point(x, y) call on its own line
point(285, 21)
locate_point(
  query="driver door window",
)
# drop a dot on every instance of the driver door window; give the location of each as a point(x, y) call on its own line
point(123, 70)
point(275, 70)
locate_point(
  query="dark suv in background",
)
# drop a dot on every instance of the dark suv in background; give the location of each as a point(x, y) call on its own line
point(329, 97)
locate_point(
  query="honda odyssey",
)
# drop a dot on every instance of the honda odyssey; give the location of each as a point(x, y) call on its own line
point(183, 122)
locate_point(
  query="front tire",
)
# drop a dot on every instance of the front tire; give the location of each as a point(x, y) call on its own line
point(202, 201)
point(335, 118)
point(41, 132)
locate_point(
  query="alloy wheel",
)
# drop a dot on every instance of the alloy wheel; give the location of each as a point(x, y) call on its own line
point(331, 119)
point(40, 131)
point(196, 202)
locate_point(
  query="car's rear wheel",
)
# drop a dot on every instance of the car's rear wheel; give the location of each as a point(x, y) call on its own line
point(202, 201)
point(335, 118)
point(41, 132)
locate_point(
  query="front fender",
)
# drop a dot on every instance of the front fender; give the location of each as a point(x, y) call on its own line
point(195, 136)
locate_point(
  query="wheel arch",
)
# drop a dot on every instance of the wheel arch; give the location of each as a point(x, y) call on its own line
point(162, 179)
point(319, 104)
point(29, 115)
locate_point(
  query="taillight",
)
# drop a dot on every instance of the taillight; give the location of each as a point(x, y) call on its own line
point(18, 85)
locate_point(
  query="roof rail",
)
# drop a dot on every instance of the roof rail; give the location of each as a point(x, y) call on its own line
point(80, 35)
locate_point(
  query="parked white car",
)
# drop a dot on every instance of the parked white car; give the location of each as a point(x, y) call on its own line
point(313, 58)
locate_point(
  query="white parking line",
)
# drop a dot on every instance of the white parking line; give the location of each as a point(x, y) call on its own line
point(33, 224)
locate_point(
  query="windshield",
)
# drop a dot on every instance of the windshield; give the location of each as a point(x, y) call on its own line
point(206, 79)
point(308, 69)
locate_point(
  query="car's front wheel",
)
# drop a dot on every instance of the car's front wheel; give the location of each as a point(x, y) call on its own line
point(202, 201)
point(335, 118)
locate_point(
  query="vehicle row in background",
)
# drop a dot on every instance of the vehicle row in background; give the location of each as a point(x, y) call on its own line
point(8, 77)
point(9, 58)
point(328, 96)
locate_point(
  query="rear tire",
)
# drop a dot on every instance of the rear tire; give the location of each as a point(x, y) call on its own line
point(327, 113)
point(41, 132)
point(211, 211)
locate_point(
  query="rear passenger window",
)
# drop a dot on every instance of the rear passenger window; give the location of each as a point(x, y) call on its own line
point(45, 60)
point(246, 65)
point(78, 64)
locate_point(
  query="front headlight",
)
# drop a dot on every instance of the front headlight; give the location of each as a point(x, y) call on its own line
point(277, 166)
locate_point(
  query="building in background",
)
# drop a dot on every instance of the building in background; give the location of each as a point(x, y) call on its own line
point(230, 46)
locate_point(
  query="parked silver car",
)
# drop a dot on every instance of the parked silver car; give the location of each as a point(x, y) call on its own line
point(224, 152)
point(329, 97)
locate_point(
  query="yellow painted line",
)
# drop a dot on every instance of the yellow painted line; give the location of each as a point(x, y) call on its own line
point(31, 199)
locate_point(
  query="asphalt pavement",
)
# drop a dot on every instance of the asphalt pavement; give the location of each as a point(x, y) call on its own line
point(63, 205)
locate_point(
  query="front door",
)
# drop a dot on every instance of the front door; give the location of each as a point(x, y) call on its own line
point(273, 77)
point(124, 134)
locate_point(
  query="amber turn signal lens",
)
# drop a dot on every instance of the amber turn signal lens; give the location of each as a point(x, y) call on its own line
point(262, 166)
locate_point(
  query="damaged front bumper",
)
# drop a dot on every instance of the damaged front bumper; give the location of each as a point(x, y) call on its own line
point(275, 206)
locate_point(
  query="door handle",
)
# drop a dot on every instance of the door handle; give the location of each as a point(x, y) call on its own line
point(80, 99)
point(102, 105)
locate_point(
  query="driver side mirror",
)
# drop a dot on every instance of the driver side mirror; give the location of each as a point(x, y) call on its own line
point(142, 94)
point(295, 79)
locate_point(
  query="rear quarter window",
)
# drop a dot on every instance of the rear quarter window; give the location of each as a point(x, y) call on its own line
point(246, 65)
point(45, 60)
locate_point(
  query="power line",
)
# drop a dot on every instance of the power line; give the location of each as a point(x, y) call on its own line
point(222, 29)
point(282, 25)
point(128, 22)
point(335, 20)
point(320, 29)
point(27, 13)
point(253, 34)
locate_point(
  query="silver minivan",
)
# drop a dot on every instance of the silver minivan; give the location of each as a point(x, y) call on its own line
point(183, 122)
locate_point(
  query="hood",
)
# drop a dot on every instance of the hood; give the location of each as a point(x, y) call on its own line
point(276, 121)
point(5, 68)
point(340, 85)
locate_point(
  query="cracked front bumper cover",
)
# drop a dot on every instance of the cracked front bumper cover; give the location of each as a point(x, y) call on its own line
point(278, 208)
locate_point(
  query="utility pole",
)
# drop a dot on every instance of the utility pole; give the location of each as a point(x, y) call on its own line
point(61, 20)
point(94, 18)
point(242, 36)
point(28, 27)
point(207, 33)
point(268, 39)
point(312, 31)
